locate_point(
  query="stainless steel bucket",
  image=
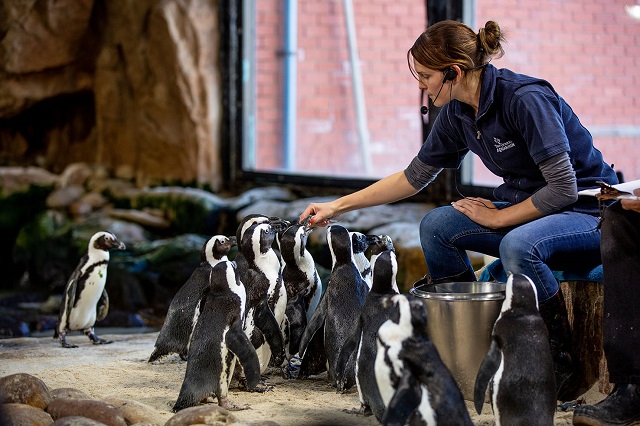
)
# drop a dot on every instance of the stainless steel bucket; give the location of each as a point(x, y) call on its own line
point(460, 318)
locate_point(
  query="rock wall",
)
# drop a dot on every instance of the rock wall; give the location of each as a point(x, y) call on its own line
point(130, 85)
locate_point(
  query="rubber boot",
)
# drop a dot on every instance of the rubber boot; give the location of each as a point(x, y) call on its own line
point(620, 407)
point(554, 314)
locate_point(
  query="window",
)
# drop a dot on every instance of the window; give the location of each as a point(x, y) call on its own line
point(326, 90)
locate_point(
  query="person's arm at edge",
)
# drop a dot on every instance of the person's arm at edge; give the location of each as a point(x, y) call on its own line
point(388, 190)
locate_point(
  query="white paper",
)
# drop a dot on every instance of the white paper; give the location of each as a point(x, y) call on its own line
point(627, 186)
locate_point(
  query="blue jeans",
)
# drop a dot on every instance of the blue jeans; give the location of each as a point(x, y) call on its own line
point(561, 241)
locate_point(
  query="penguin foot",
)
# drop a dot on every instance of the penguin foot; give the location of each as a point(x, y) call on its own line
point(262, 388)
point(365, 410)
point(64, 344)
point(225, 403)
point(97, 340)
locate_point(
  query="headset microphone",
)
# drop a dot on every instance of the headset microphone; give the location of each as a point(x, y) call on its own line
point(449, 75)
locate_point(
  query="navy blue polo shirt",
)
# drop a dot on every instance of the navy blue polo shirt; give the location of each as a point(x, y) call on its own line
point(521, 122)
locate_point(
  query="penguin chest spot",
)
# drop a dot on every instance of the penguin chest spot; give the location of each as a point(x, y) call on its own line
point(83, 314)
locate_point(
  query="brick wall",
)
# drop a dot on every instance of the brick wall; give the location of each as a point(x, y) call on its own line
point(587, 50)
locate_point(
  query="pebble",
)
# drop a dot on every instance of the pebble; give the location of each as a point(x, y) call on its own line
point(23, 388)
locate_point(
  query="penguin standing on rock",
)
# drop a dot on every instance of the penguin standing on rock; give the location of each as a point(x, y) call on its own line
point(338, 311)
point(415, 385)
point(180, 319)
point(377, 309)
point(518, 366)
point(85, 299)
point(217, 342)
point(266, 295)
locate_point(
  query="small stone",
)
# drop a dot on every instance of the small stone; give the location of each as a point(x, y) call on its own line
point(23, 414)
point(96, 410)
point(70, 393)
point(210, 414)
point(23, 388)
point(76, 421)
point(135, 412)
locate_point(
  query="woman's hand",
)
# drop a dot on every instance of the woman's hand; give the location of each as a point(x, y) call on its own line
point(632, 204)
point(480, 210)
point(321, 213)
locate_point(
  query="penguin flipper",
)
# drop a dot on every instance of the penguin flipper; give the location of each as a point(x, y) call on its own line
point(266, 322)
point(404, 402)
point(102, 309)
point(297, 317)
point(315, 323)
point(346, 359)
point(487, 369)
point(238, 343)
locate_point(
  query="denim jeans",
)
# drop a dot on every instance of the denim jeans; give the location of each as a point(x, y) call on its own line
point(621, 267)
point(560, 241)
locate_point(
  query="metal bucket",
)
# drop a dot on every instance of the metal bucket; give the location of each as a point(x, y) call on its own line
point(460, 318)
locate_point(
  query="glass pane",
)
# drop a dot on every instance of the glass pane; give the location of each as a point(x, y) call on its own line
point(356, 111)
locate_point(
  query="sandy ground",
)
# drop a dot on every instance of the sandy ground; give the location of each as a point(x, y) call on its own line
point(120, 370)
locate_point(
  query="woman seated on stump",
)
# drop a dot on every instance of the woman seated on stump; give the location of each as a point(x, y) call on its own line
point(523, 132)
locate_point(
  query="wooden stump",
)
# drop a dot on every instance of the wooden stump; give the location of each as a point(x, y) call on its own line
point(585, 305)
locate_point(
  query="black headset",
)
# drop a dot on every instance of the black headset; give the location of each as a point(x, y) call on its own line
point(449, 75)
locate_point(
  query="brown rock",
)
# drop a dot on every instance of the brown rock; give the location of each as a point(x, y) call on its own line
point(70, 393)
point(93, 409)
point(135, 412)
point(63, 197)
point(23, 414)
point(210, 414)
point(76, 421)
point(22, 388)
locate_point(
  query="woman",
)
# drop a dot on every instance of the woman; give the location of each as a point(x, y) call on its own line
point(523, 132)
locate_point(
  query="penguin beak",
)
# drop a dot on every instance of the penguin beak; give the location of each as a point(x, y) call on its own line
point(233, 241)
point(279, 224)
point(373, 239)
point(305, 222)
point(121, 246)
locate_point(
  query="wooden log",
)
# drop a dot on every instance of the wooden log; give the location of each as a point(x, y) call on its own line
point(585, 305)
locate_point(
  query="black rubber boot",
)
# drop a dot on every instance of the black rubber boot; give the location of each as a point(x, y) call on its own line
point(621, 407)
point(554, 314)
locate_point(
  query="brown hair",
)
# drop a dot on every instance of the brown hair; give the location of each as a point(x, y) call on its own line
point(448, 43)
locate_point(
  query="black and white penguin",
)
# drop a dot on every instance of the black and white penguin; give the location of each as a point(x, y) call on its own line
point(217, 342)
point(338, 311)
point(382, 244)
point(360, 243)
point(415, 385)
point(266, 295)
point(377, 309)
point(180, 319)
point(518, 367)
point(85, 298)
point(247, 222)
point(301, 280)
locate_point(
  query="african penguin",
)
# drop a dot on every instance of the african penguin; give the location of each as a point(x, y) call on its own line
point(518, 366)
point(338, 311)
point(266, 295)
point(85, 298)
point(377, 309)
point(246, 223)
point(415, 385)
point(180, 318)
point(217, 342)
point(301, 280)
point(360, 243)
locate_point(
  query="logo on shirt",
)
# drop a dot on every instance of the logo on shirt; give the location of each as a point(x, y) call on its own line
point(502, 146)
